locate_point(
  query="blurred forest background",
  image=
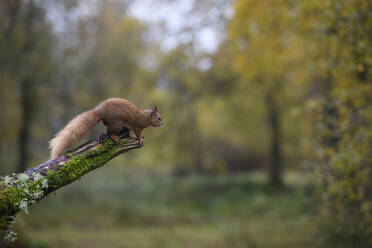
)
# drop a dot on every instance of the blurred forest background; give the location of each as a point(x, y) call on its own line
point(268, 110)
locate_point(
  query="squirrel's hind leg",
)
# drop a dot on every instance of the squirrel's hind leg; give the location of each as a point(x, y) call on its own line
point(114, 134)
point(115, 138)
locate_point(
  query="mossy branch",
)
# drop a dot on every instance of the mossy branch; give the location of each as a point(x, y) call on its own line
point(18, 191)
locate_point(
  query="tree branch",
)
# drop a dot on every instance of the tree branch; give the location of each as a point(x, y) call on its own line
point(18, 191)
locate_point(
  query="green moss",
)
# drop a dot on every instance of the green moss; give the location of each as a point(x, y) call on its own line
point(79, 165)
point(26, 192)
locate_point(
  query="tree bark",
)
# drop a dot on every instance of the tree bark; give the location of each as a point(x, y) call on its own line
point(20, 190)
point(275, 169)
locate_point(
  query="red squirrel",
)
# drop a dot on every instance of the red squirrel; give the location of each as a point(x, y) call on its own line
point(115, 113)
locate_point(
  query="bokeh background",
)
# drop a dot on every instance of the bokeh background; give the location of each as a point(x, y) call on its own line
point(268, 110)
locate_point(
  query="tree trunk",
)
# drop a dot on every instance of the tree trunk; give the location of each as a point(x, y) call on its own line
point(275, 167)
point(26, 94)
point(13, 9)
point(18, 191)
point(26, 118)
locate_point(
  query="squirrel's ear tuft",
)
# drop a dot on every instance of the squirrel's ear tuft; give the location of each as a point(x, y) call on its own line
point(154, 111)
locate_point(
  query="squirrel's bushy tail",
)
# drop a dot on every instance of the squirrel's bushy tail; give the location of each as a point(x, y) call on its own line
point(74, 131)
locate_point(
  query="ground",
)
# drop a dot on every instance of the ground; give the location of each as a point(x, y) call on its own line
point(135, 208)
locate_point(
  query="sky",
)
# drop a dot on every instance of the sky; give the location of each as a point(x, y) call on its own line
point(174, 15)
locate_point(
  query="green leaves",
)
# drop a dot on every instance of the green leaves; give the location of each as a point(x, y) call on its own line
point(344, 123)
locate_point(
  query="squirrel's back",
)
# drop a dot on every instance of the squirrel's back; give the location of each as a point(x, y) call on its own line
point(115, 108)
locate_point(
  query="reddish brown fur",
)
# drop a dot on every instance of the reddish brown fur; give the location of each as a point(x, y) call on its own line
point(115, 114)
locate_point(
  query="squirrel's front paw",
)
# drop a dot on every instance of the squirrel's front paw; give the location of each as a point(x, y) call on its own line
point(140, 141)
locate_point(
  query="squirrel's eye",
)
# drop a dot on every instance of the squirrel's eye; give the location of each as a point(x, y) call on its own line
point(158, 118)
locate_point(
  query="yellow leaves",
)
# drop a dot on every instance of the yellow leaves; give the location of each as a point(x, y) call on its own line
point(267, 49)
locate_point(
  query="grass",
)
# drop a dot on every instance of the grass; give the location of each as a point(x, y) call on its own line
point(134, 208)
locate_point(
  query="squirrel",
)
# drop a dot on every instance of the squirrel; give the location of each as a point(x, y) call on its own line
point(115, 113)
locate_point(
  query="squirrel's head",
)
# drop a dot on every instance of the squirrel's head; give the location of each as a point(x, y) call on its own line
point(156, 120)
